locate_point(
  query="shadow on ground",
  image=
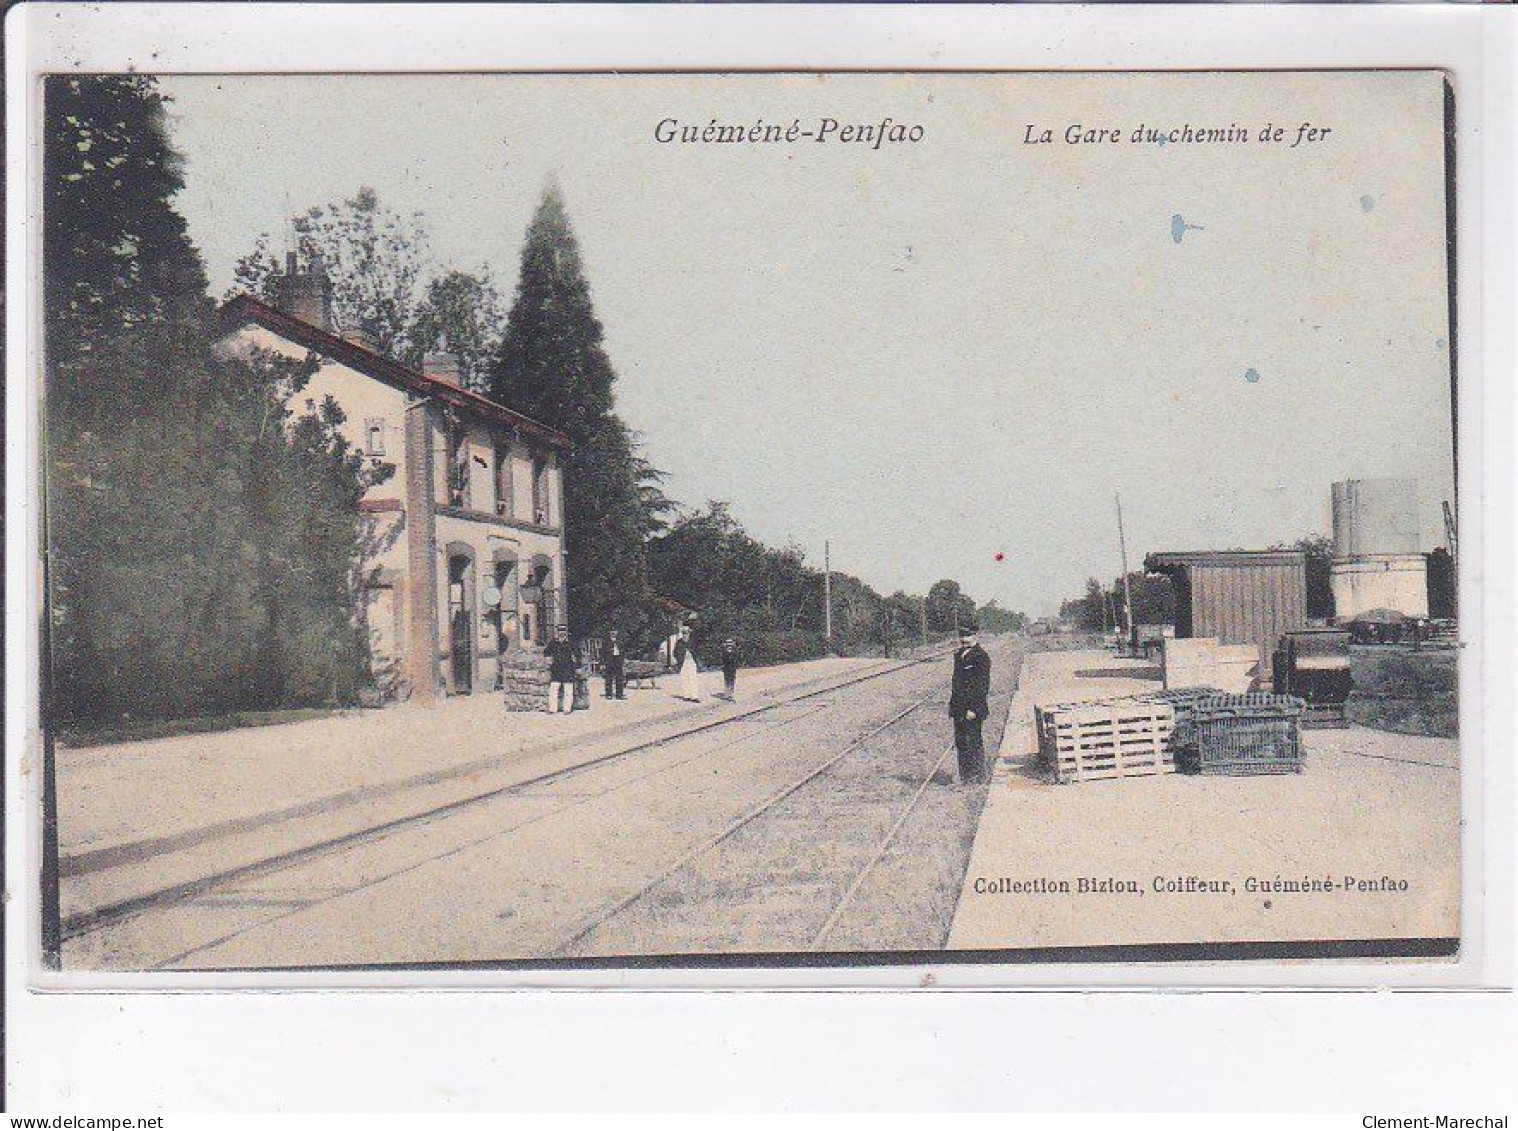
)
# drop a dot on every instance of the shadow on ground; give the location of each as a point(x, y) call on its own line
point(1120, 673)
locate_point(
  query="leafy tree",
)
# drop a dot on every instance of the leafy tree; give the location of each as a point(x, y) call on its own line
point(552, 365)
point(905, 613)
point(1153, 598)
point(201, 536)
point(117, 259)
point(375, 259)
point(994, 618)
point(1443, 585)
point(1088, 612)
point(772, 602)
point(463, 314)
point(948, 608)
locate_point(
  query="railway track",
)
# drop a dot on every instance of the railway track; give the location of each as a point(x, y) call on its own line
point(874, 747)
point(605, 914)
point(94, 920)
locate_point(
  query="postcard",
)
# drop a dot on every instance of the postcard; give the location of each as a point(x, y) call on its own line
point(761, 519)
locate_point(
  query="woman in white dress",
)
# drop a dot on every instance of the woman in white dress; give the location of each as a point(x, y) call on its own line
point(685, 664)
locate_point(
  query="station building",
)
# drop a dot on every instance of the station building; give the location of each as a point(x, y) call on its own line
point(464, 543)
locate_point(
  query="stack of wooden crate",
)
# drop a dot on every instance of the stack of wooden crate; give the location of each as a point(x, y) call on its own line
point(1115, 738)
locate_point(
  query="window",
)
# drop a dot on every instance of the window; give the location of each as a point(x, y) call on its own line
point(458, 468)
point(503, 506)
point(540, 491)
point(374, 436)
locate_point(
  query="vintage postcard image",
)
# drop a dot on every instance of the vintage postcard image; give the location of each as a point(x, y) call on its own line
point(549, 520)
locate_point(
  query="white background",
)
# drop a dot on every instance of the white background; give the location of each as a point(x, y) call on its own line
point(523, 1048)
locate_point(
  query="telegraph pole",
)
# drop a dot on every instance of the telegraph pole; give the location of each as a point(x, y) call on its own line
point(827, 594)
point(1122, 545)
point(924, 609)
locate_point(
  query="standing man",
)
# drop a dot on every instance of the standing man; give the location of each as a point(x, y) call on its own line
point(730, 663)
point(968, 706)
point(613, 666)
point(563, 667)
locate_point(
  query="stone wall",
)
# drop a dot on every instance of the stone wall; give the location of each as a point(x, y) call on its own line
point(524, 678)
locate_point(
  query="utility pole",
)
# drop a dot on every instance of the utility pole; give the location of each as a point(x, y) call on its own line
point(923, 608)
point(827, 594)
point(1122, 545)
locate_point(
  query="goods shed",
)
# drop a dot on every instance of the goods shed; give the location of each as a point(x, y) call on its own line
point(1237, 596)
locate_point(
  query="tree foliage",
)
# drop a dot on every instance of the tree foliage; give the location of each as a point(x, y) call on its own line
point(201, 535)
point(375, 259)
point(949, 609)
point(461, 314)
point(1091, 611)
point(1099, 609)
point(994, 618)
point(552, 365)
point(773, 603)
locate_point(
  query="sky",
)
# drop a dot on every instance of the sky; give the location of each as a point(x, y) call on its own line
point(946, 356)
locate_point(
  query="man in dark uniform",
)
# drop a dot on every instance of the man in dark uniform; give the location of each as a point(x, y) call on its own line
point(614, 666)
point(731, 661)
point(563, 668)
point(968, 706)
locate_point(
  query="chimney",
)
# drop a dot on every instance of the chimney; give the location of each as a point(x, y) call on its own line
point(306, 295)
point(442, 365)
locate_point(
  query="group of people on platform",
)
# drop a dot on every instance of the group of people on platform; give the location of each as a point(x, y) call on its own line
point(969, 690)
point(678, 654)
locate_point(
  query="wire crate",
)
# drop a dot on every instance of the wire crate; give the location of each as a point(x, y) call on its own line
point(1120, 738)
point(1184, 701)
point(1243, 735)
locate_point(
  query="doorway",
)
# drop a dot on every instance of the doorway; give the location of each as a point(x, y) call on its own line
point(461, 623)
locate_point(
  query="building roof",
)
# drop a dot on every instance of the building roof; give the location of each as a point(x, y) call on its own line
point(1191, 559)
point(245, 309)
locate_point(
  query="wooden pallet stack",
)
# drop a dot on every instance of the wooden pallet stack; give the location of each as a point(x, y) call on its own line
point(1115, 738)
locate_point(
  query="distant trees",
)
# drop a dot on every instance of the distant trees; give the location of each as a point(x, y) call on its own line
point(201, 539)
point(1443, 585)
point(772, 601)
point(994, 618)
point(1091, 611)
point(949, 608)
point(1102, 608)
point(707, 562)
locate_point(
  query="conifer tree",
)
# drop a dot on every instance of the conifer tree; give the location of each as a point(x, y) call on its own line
point(552, 365)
